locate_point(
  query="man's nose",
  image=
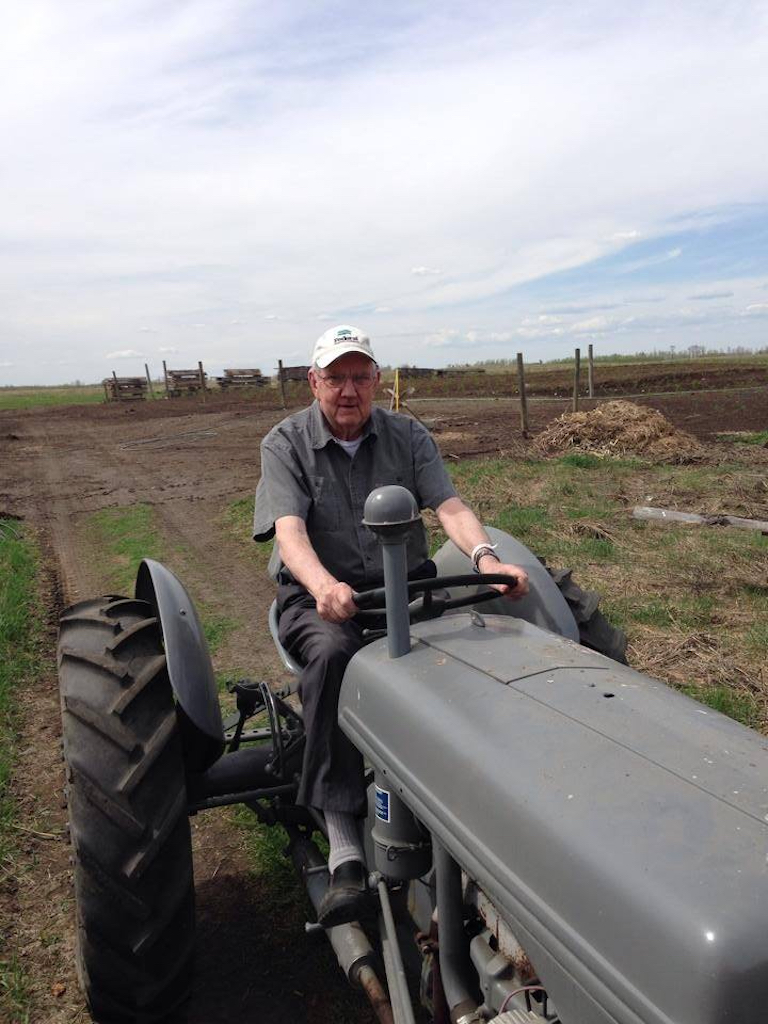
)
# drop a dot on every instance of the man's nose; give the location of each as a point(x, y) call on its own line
point(349, 388)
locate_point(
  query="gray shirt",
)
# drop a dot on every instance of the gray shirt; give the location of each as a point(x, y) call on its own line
point(305, 473)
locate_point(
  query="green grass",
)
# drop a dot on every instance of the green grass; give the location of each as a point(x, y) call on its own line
point(20, 635)
point(265, 845)
point(28, 398)
point(523, 521)
point(15, 994)
point(580, 460)
point(759, 437)
point(124, 535)
point(757, 638)
point(739, 706)
point(216, 628)
point(238, 522)
point(22, 624)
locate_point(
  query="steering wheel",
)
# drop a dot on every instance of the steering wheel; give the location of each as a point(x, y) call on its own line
point(431, 606)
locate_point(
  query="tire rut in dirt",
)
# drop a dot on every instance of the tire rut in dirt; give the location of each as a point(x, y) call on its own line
point(130, 834)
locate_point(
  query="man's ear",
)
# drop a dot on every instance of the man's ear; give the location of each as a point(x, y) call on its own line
point(312, 378)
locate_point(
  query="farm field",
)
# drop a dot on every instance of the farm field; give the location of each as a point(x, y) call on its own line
point(100, 485)
point(67, 394)
point(613, 376)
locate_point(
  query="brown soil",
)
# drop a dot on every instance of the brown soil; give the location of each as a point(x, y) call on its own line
point(190, 462)
point(610, 379)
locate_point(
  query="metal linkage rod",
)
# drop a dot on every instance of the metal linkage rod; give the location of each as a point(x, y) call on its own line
point(393, 961)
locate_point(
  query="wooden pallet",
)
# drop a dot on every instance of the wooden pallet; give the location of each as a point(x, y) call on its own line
point(250, 378)
point(125, 389)
point(295, 372)
point(185, 382)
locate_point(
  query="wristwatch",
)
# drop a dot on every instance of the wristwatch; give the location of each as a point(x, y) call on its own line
point(480, 551)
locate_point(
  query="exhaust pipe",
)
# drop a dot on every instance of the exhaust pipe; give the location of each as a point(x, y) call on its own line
point(456, 970)
point(350, 943)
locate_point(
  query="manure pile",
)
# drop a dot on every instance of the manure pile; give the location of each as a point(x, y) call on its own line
point(619, 429)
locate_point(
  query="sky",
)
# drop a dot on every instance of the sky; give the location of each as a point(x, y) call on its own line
point(222, 180)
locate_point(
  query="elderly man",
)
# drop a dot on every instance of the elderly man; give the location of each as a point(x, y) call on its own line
point(317, 468)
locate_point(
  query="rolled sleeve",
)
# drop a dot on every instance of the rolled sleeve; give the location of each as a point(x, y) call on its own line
point(433, 483)
point(281, 491)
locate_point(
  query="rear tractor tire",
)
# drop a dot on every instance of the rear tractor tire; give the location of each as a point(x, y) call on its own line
point(134, 889)
point(595, 631)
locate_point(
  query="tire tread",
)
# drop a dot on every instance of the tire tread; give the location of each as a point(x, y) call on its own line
point(134, 883)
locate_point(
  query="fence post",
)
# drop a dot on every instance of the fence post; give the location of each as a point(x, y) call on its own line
point(576, 373)
point(523, 397)
point(281, 378)
point(202, 378)
point(149, 381)
point(591, 371)
point(165, 375)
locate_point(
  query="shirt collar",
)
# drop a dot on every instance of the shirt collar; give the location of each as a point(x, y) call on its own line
point(320, 433)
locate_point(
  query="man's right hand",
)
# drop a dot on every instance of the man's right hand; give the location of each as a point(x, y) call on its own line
point(335, 602)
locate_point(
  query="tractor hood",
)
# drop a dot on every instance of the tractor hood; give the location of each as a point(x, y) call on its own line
point(619, 826)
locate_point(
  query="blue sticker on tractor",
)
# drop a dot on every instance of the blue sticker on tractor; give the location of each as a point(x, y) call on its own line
point(382, 804)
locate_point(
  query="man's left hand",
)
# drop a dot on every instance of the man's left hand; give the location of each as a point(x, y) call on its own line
point(489, 564)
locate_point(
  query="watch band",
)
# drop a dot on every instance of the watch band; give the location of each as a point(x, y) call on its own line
point(480, 551)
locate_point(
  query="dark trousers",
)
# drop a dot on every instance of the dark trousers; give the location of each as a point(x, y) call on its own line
point(332, 774)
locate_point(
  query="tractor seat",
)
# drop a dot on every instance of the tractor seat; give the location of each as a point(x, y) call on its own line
point(288, 660)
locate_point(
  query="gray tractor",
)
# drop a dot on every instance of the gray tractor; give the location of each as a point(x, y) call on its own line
point(551, 835)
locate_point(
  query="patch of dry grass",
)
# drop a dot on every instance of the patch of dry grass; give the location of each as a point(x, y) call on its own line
point(692, 600)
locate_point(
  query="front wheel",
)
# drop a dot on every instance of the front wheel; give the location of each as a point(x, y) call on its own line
point(134, 888)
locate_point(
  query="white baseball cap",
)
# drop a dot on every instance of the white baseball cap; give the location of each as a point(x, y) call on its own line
point(339, 341)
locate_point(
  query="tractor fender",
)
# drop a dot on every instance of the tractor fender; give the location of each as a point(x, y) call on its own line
point(543, 606)
point(189, 664)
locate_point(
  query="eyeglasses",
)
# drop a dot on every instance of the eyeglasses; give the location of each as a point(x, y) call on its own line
point(336, 381)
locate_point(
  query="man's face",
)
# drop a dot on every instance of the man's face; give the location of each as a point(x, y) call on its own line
point(346, 405)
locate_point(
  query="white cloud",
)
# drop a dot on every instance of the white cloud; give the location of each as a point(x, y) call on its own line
point(147, 330)
point(624, 236)
point(758, 307)
point(652, 261)
point(543, 319)
point(707, 296)
point(599, 324)
point(5, 365)
point(167, 350)
point(425, 271)
point(445, 337)
point(125, 353)
point(272, 316)
point(382, 309)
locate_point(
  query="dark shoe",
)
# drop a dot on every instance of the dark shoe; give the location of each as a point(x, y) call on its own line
point(347, 898)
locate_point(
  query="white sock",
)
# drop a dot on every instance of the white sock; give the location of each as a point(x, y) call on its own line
point(343, 839)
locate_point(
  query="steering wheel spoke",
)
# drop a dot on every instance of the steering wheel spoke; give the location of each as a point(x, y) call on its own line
point(431, 605)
